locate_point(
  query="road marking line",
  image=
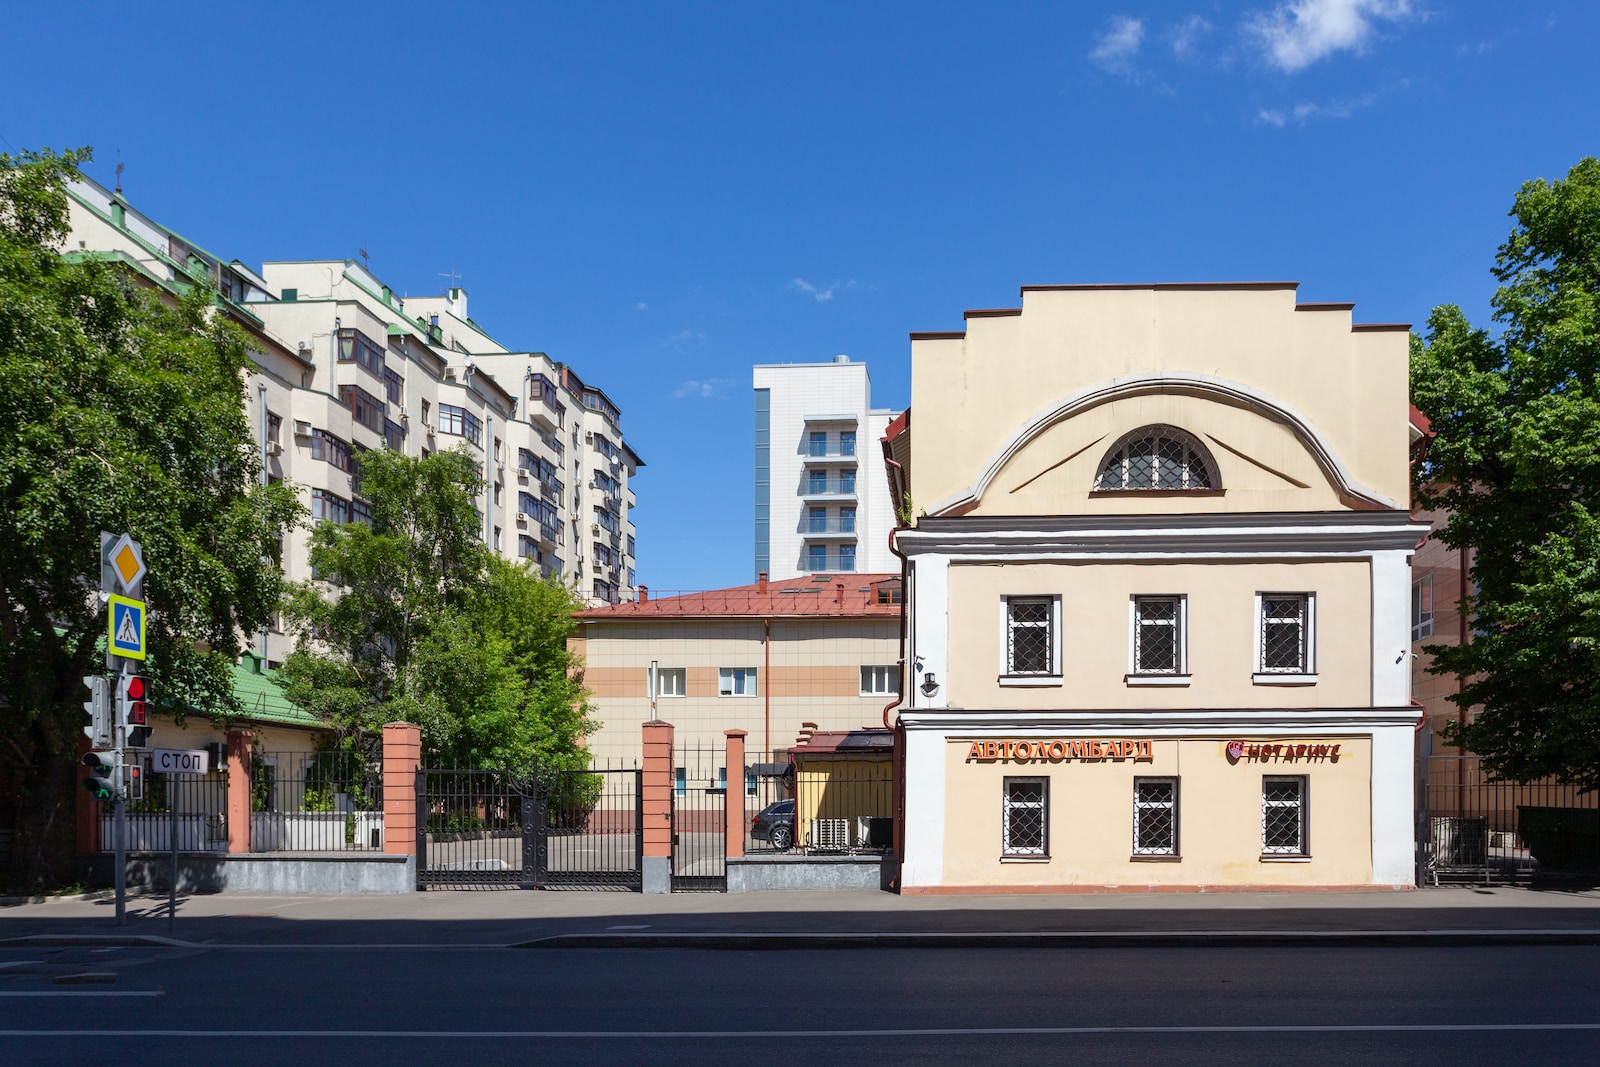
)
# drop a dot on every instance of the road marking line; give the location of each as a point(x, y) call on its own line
point(789, 1035)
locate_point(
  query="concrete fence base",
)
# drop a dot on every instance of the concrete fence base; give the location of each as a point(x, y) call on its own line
point(754, 873)
point(202, 872)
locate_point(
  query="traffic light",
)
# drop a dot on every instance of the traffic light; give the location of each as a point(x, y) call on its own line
point(132, 711)
point(134, 772)
point(102, 780)
point(99, 730)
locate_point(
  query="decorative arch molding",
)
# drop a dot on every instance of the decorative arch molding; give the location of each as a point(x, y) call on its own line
point(1205, 386)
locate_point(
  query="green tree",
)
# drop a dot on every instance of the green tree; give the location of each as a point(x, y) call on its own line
point(1516, 462)
point(117, 412)
point(414, 620)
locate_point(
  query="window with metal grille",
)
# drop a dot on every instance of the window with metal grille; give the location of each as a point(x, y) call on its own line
point(1023, 818)
point(1155, 816)
point(1157, 458)
point(1029, 641)
point(1285, 621)
point(1283, 815)
point(1157, 635)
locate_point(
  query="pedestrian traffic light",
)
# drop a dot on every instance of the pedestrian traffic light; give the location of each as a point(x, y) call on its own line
point(99, 708)
point(102, 780)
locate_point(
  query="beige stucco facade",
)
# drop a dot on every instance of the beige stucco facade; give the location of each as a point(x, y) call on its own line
point(1272, 494)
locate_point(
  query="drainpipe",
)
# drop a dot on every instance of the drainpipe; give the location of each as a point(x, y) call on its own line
point(488, 481)
point(766, 670)
point(261, 391)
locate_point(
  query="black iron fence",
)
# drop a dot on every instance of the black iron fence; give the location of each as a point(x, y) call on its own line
point(192, 807)
point(699, 818)
point(315, 802)
point(590, 834)
point(822, 806)
point(470, 827)
point(1472, 829)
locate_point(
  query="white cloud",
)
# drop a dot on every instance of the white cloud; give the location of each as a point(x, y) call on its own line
point(702, 388)
point(1185, 35)
point(821, 293)
point(1294, 35)
point(685, 338)
point(641, 306)
point(1115, 48)
point(1304, 112)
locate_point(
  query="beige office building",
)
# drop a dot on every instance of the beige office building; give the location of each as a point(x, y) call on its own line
point(1158, 597)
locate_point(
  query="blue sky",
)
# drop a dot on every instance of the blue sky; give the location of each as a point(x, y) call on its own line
point(664, 194)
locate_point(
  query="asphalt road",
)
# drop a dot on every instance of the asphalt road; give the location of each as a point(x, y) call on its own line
point(365, 1005)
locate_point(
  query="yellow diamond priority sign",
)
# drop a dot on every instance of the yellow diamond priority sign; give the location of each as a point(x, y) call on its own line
point(127, 562)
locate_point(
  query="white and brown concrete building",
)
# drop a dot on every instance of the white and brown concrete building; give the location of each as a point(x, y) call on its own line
point(766, 658)
point(1158, 594)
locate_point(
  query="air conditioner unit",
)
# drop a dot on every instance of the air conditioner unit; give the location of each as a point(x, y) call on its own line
point(832, 834)
point(400, 409)
point(500, 470)
point(594, 529)
point(302, 428)
point(274, 448)
point(522, 518)
point(427, 425)
point(522, 474)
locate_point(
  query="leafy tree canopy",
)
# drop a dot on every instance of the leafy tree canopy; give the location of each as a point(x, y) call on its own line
point(414, 620)
point(121, 408)
point(1516, 463)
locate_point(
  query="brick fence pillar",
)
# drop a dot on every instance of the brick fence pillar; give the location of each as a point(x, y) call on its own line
point(240, 745)
point(657, 794)
point(734, 801)
point(402, 755)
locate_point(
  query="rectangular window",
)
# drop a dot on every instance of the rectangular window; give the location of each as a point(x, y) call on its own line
point(357, 347)
point(847, 482)
point(394, 386)
point(816, 481)
point(672, 681)
point(847, 557)
point(1158, 635)
point(736, 681)
point(1030, 636)
point(394, 435)
point(847, 520)
point(680, 780)
point(361, 511)
point(1422, 608)
point(818, 444)
point(817, 520)
point(1155, 816)
point(880, 680)
point(847, 442)
point(1283, 815)
point(1023, 829)
point(331, 450)
point(325, 506)
point(460, 422)
point(751, 783)
point(817, 558)
point(1285, 633)
point(527, 547)
point(368, 410)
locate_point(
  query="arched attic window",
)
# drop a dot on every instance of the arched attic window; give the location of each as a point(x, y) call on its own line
point(1157, 459)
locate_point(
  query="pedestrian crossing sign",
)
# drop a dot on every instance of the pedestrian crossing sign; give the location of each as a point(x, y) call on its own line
point(127, 627)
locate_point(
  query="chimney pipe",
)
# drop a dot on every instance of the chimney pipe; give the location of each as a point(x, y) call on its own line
point(840, 593)
point(761, 582)
point(644, 594)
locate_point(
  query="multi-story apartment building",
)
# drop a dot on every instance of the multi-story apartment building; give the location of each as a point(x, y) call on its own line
point(343, 364)
point(1158, 602)
point(821, 499)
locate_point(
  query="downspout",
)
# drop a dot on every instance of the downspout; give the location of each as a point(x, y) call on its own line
point(261, 390)
point(766, 690)
point(899, 732)
point(488, 481)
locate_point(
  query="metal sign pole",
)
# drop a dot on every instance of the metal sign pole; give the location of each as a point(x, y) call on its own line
point(172, 833)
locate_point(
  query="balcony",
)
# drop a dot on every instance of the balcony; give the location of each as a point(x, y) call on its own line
point(828, 562)
point(813, 488)
point(550, 533)
point(829, 531)
point(830, 455)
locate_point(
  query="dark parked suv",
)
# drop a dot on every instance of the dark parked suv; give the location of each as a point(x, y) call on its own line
point(775, 825)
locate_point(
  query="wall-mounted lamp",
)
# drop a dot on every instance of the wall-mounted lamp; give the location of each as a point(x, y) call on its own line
point(929, 685)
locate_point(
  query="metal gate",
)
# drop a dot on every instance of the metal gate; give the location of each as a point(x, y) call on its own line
point(590, 834)
point(564, 829)
point(699, 822)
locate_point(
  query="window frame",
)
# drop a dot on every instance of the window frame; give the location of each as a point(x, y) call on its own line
point(681, 674)
point(886, 673)
point(1011, 677)
point(1157, 432)
point(1422, 622)
point(1174, 852)
point(1306, 674)
point(1278, 853)
point(1010, 853)
point(726, 680)
point(1179, 676)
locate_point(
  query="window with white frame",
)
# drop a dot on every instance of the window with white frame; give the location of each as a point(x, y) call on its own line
point(1155, 816)
point(736, 681)
point(680, 780)
point(1032, 629)
point(880, 680)
point(1283, 815)
point(672, 681)
point(1158, 635)
point(1023, 824)
point(1422, 608)
point(1284, 634)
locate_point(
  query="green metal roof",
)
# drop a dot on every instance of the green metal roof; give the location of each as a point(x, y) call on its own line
point(263, 699)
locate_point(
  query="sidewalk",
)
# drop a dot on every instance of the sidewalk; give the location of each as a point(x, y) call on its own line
point(824, 919)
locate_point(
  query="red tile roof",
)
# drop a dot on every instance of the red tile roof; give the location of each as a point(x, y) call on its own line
point(817, 594)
